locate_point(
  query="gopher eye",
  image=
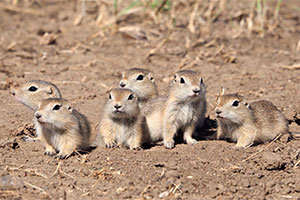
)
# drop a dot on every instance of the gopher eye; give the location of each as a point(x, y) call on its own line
point(140, 77)
point(151, 78)
point(182, 80)
point(130, 97)
point(174, 78)
point(235, 103)
point(56, 107)
point(109, 97)
point(32, 89)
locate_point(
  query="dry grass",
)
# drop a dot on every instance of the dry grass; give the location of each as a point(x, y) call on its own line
point(259, 17)
point(256, 17)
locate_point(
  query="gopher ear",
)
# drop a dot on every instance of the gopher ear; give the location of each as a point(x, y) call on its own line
point(175, 78)
point(108, 90)
point(70, 107)
point(247, 104)
point(54, 92)
point(50, 90)
point(201, 81)
point(150, 77)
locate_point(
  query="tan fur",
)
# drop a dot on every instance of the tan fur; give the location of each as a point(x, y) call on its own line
point(63, 130)
point(246, 123)
point(182, 109)
point(145, 89)
point(154, 119)
point(125, 125)
point(32, 99)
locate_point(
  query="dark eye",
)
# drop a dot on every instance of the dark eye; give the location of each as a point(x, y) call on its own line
point(32, 89)
point(56, 107)
point(130, 97)
point(182, 80)
point(151, 78)
point(235, 103)
point(109, 97)
point(140, 77)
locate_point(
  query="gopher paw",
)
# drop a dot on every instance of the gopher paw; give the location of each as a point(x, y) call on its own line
point(169, 144)
point(136, 148)
point(49, 153)
point(191, 141)
point(110, 144)
point(238, 147)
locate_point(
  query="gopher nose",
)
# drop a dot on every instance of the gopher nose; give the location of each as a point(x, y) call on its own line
point(218, 111)
point(38, 115)
point(196, 90)
point(117, 106)
point(122, 84)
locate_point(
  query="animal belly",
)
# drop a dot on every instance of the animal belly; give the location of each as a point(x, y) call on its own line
point(57, 141)
point(122, 134)
point(183, 117)
point(154, 123)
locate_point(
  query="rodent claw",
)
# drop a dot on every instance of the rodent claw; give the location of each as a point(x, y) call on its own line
point(49, 153)
point(61, 156)
point(137, 148)
point(110, 145)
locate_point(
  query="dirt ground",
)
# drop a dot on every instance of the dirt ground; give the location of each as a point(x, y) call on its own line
point(40, 41)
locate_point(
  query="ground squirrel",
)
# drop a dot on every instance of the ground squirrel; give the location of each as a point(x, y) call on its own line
point(32, 92)
point(183, 109)
point(61, 128)
point(246, 124)
point(122, 122)
point(141, 82)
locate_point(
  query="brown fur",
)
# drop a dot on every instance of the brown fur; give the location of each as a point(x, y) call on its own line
point(63, 130)
point(182, 109)
point(144, 89)
point(124, 126)
point(246, 123)
point(32, 99)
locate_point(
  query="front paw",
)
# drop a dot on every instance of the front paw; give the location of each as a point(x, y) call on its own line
point(136, 148)
point(191, 141)
point(169, 144)
point(112, 144)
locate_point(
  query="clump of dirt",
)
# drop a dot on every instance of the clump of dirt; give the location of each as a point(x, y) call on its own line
point(25, 130)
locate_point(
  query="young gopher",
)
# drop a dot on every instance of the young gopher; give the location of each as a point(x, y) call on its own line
point(32, 92)
point(61, 128)
point(246, 123)
point(122, 123)
point(141, 82)
point(183, 109)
